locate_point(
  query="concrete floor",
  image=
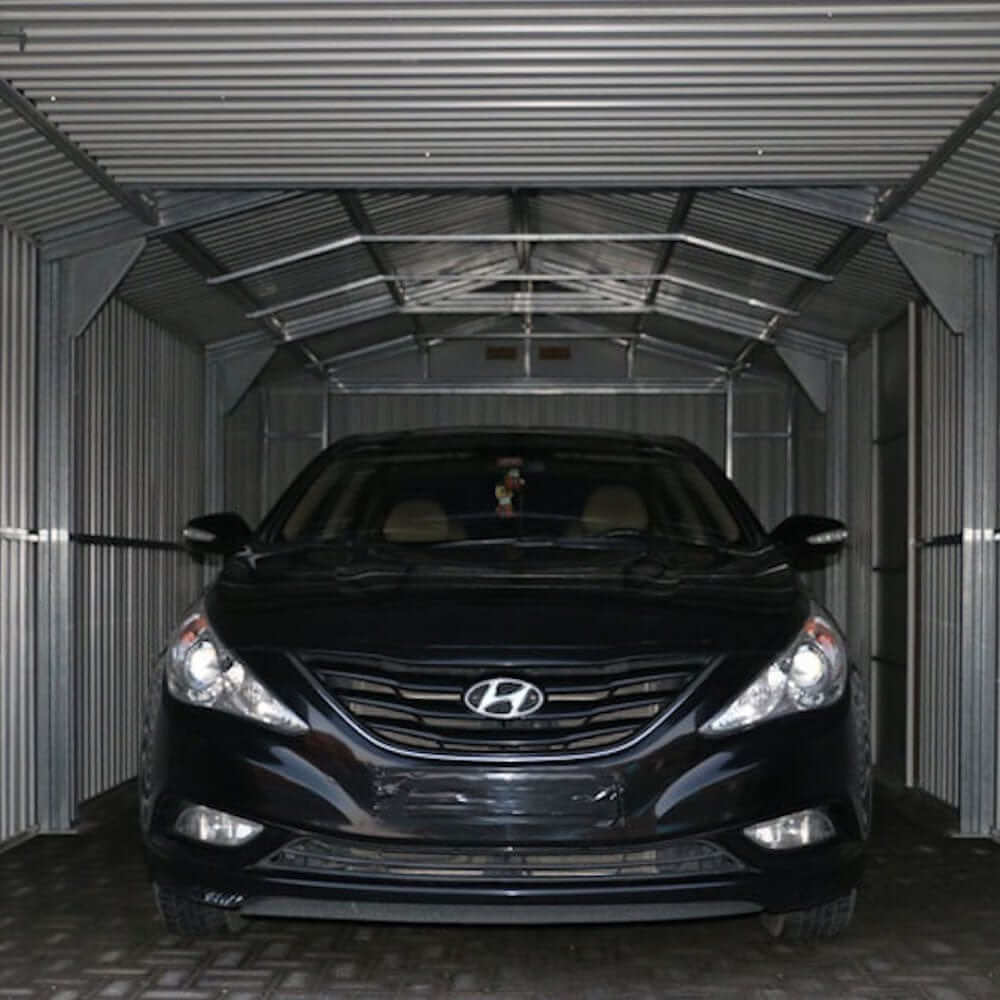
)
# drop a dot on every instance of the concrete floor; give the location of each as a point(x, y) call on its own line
point(77, 921)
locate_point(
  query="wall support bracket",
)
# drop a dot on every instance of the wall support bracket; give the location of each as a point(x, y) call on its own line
point(87, 282)
point(811, 371)
point(940, 273)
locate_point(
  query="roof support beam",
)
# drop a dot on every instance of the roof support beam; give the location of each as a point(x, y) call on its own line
point(143, 207)
point(460, 238)
point(204, 264)
point(538, 387)
point(355, 211)
point(405, 343)
point(834, 261)
point(678, 219)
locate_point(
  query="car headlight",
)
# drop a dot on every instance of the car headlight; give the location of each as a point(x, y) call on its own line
point(200, 671)
point(811, 673)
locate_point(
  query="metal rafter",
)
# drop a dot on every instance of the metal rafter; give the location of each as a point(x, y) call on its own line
point(356, 212)
point(206, 266)
point(713, 246)
point(834, 261)
point(678, 219)
point(143, 207)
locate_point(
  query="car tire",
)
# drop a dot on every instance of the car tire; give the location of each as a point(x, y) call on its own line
point(824, 921)
point(186, 918)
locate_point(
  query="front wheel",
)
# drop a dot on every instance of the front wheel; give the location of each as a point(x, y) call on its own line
point(186, 918)
point(824, 921)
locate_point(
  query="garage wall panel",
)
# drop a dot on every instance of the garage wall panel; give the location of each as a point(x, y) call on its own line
point(243, 430)
point(18, 283)
point(761, 452)
point(860, 428)
point(139, 426)
point(939, 558)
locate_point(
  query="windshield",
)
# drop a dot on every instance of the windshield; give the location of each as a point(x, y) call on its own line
point(467, 497)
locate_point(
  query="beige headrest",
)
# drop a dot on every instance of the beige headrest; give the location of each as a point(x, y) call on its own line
point(614, 507)
point(417, 521)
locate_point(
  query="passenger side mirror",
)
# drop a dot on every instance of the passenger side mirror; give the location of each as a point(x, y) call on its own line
point(216, 534)
point(809, 540)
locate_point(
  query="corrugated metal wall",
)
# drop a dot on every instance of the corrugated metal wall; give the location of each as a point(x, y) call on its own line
point(243, 431)
point(139, 473)
point(939, 558)
point(860, 423)
point(762, 449)
point(18, 278)
point(891, 563)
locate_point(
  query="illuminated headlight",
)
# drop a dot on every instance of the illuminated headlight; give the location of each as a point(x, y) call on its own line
point(811, 673)
point(201, 672)
point(212, 826)
point(799, 829)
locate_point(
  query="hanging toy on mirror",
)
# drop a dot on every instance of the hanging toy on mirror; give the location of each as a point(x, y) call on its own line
point(507, 490)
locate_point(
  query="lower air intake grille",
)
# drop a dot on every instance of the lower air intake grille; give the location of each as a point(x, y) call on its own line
point(683, 859)
point(419, 705)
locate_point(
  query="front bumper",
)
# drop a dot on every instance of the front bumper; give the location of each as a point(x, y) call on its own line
point(676, 788)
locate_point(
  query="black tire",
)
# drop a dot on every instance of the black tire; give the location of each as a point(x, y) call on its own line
point(187, 918)
point(824, 921)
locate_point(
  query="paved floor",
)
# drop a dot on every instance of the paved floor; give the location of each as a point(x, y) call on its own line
point(76, 921)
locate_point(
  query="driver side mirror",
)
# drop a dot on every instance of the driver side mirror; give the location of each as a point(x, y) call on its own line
point(216, 534)
point(809, 540)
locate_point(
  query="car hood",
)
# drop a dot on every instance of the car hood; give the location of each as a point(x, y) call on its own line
point(550, 604)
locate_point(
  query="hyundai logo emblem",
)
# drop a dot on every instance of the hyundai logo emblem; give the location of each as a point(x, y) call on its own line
point(504, 698)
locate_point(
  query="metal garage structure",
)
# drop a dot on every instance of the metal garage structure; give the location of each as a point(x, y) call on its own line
point(231, 234)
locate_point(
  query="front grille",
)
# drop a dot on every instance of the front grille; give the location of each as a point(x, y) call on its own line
point(682, 859)
point(419, 705)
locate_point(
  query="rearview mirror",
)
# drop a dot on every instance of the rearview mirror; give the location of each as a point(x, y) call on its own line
point(216, 534)
point(809, 540)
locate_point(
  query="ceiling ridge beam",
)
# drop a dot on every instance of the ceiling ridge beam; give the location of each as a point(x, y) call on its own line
point(142, 206)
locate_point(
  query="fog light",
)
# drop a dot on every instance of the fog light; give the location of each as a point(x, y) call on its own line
point(211, 826)
point(799, 829)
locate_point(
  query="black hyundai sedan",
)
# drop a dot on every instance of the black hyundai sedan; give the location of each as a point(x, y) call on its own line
point(507, 677)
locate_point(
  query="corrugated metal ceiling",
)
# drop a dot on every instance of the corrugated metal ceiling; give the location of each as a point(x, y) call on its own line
point(39, 187)
point(968, 185)
point(522, 92)
point(480, 117)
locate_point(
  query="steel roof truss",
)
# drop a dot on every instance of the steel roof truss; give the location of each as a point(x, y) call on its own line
point(462, 238)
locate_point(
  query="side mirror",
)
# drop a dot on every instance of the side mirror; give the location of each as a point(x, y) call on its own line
point(216, 534)
point(810, 540)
